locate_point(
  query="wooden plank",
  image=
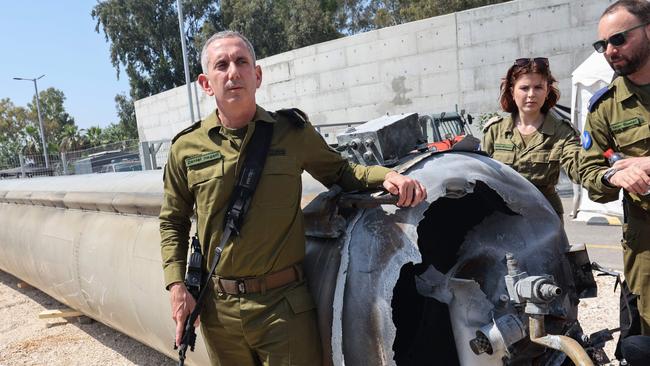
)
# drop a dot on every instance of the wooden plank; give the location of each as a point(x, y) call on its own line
point(59, 313)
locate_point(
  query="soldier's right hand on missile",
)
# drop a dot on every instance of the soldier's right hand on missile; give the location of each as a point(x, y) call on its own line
point(182, 305)
point(410, 191)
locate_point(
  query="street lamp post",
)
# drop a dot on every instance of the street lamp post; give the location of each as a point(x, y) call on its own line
point(40, 120)
point(185, 66)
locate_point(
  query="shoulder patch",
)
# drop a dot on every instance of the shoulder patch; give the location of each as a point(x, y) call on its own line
point(597, 97)
point(193, 127)
point(492, 121)
point(298, 117)
point(586, 140)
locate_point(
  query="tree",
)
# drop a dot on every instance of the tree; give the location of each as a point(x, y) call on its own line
point(145, 41)
point(32, 141)
point(114, 133)
point(71, 138)
point(287, 24)
point(12, 130)
point(126, 114)
point(353, 16)
point(94, 136)
point(144, 37)
point(54, 116)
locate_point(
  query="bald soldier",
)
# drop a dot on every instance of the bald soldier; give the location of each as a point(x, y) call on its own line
point(619, 118)
point(259, 310)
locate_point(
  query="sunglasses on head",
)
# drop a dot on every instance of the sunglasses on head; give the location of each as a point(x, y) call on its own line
point(616, 39)
point(540, 61)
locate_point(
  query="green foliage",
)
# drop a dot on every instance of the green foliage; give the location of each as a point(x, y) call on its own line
point(126, 114)
point(71, 138)
point(20, 131)
point(94, 136)
point(54, 116)
point(12, 128)
point(145, 40)
point(353, 16)
point(287, 24)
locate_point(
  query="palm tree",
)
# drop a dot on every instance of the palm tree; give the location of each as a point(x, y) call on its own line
point(94, 136)
point(71, 138)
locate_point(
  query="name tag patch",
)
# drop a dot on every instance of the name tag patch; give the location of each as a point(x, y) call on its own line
point(277, 152)
point(624, 125)
point(203, 158)
point(504, 147)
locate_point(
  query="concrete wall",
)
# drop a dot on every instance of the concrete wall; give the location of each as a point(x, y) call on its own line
point(426, 66)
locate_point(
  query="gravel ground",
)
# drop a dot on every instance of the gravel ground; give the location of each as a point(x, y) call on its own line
point(27, 340)
point(601, 312)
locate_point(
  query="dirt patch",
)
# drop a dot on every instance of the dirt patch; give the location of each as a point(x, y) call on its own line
point(602, 312)
point(27, 340)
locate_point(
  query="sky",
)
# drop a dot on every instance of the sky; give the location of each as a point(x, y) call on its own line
point(58, 39)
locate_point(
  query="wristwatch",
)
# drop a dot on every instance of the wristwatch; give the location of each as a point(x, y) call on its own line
point(609, 173)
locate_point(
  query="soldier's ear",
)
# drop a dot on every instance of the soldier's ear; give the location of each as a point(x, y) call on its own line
point(258, 75)
point(205, 84)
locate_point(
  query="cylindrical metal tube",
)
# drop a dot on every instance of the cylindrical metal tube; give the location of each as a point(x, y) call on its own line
point(559, 342)
point(93, 243)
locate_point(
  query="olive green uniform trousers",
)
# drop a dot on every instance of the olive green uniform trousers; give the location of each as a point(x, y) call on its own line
point(636, 259)
point(275, 328)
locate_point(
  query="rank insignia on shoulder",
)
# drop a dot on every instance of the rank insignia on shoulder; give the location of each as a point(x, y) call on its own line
point(598, 95)
point(298, 117)
point(491, 121)
point(586, 140)
point(202, 158)
point(193, 127)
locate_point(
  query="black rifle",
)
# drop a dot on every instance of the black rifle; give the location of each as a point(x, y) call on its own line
point(194, 283)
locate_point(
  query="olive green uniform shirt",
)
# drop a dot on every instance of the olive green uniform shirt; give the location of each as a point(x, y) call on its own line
point(619, 121)
point(201, 171)
point(555, 145)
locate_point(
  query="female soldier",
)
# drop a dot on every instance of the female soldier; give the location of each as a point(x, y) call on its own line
point(533, 140)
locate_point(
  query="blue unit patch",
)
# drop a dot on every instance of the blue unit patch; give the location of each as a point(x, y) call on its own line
point(586, 140)
point(593, 101)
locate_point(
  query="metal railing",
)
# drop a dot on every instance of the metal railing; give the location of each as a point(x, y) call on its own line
point(119, 156)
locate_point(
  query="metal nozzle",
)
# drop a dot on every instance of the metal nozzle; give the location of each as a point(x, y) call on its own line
point(548, 291)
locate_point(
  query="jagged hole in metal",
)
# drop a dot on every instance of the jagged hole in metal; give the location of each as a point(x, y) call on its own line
point(424, 334)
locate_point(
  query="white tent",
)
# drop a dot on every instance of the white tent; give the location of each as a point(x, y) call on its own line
point(593, 74)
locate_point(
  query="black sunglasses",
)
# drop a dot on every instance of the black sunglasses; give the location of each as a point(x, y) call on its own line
point(540, 61)
point(616, 39)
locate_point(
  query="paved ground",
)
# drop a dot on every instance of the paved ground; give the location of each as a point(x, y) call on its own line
point(603, 242)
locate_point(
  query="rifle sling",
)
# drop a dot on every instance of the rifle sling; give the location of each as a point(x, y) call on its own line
point(240, 199)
